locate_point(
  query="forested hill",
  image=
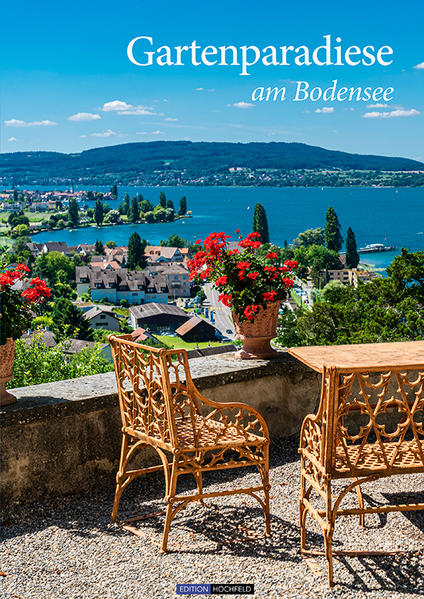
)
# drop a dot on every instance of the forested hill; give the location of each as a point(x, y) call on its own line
point(142, 162)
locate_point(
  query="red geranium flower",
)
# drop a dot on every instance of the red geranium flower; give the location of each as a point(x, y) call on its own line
point(253, 275)
point(269, 296)
point(271, 256)
point(221, 280)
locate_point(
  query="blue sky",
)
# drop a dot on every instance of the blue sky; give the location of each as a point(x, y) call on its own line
point(62, 60)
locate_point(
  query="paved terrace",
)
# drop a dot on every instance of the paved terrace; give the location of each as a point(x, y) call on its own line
point(58, 542)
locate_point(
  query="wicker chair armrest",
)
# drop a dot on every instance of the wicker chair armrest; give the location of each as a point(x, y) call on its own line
point(241, 415)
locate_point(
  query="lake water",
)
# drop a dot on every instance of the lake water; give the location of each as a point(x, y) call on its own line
point(376, 215)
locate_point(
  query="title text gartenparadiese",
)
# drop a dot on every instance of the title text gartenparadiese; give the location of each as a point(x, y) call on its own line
point(142, 52)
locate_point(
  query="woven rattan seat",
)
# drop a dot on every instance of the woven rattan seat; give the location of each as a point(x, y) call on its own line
point(369, 425)
point(161, 407)
point(207, 433)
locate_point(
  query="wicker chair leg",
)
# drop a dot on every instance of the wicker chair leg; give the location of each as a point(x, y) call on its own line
point(119, 477)
point(264, 472)
point(360, 504)
point(170, 512)
point(328, 540)
point(328, 534)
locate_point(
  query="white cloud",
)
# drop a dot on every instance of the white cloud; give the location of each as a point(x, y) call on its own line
point(19, 123)
point(170, 119)
point(390, 115)
point(419, 66)
point(115, 105)
point(108, 133)
point(379, 105)
point(157, 132)
point(84, 116)
point(325, 110)
point(242, 105)
point(199, 89)
point(211, 90)
point(83, 136)
point(140, 110)
point(122, 107)
point(12, 139)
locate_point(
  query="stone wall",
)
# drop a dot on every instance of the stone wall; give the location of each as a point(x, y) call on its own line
point(64, 437)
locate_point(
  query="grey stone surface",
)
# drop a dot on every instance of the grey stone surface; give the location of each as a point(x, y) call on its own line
point(65, 548)
point(65, 436)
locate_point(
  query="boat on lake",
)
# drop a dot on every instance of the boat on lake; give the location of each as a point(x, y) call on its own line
point(373, 248)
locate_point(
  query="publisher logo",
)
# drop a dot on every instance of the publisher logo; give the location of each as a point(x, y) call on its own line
point(215, 589)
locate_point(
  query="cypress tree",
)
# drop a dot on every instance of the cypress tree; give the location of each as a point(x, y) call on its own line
point(352, 256)
point(260, 223)
point(73, 212)
point(332, 234)
point(183, 206)
point(98, 212)
point(136, 248)
point(162, 199)
point(99, 248)
point(170, 204)
point(114, 192)
point(133, 213)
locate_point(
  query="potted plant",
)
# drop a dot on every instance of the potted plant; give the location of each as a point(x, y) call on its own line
point(251, 283)
point(19, 297)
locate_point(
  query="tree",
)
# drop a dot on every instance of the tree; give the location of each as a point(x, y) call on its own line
point(352, 256)
point(113, 217)
point(110, 244)
point(183, 206)
point(133, 214)
point(98, 212)
point(149, 217)
point(48, 266)
point(333, 236)
point(73, 213)
point(170, 204)
point(310, 237)
point(146, 206)
point(99, 248)
point(260, 223)
point(69, 321)
point(125, 206)
point(162, 199)
point(136, 249)
point(384, 309)
point(114, 192)
point(20, 231)
point(175, 241)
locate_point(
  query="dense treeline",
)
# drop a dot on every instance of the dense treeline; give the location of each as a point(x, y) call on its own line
point(187, 160)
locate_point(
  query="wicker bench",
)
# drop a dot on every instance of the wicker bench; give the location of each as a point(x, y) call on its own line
point(161, 407)
point(369, 425)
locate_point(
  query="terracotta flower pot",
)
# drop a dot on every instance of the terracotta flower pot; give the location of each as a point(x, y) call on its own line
point(7, 356)
point(257, 334)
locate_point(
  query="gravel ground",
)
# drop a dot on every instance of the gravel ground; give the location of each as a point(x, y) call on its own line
point(66, 548)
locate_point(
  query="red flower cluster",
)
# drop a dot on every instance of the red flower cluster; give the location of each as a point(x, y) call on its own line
point(251, 241)
point(250, 311)
point(246, 279)
point(291, 264)
point(226, 299)
point(37, 290)
point(221, 280)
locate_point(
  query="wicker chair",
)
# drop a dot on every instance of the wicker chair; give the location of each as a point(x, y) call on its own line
point(161, 407)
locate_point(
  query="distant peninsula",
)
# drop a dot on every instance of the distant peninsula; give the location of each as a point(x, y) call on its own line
point(165, 163)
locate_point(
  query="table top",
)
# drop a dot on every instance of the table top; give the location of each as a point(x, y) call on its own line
point(362, 357)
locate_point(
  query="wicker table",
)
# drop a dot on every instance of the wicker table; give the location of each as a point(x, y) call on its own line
point(369, 425)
